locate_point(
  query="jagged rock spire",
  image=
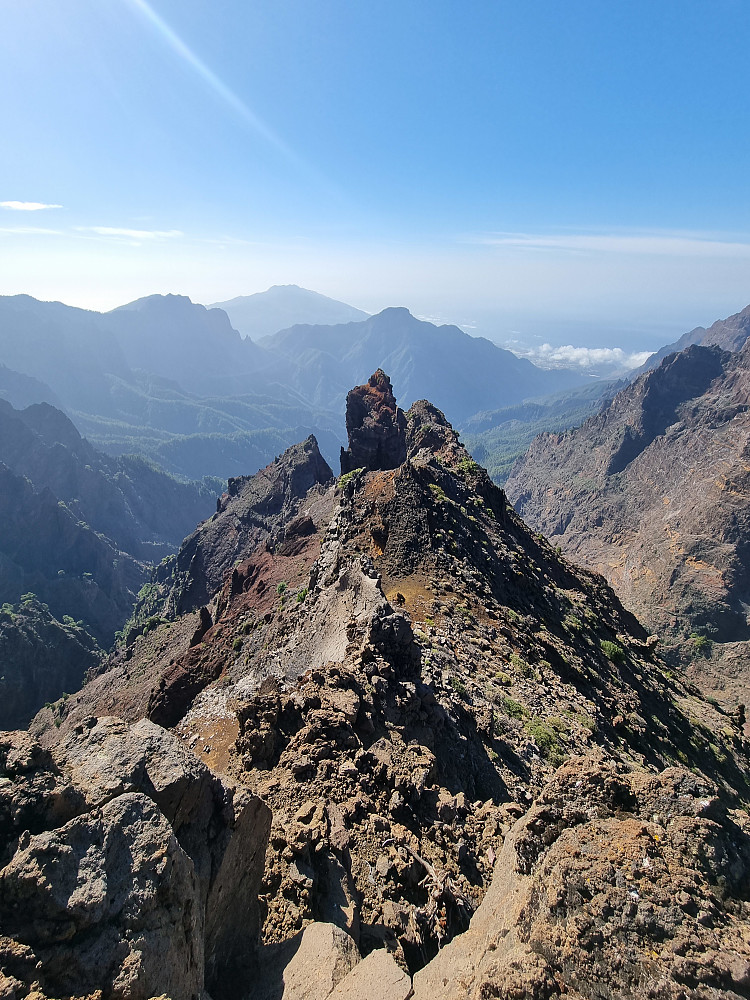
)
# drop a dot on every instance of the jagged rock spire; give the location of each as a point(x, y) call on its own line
point(376, 427)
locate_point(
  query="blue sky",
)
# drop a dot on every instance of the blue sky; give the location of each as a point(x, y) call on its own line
point(576, 172)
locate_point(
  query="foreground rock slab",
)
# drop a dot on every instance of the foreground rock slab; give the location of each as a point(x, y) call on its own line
point(636, 879)
point(128, 867)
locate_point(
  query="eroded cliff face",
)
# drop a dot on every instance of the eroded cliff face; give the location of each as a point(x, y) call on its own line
point(652, 493)
point(437, 708)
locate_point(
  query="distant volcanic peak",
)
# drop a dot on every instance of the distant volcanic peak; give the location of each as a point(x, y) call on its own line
point(375, 426)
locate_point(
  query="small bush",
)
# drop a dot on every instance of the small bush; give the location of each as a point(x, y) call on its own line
point(438, 493)
point(301, 595)
point(701, 644)
point(459, 687)
point(237, 644)
point(612, 651)
point(348, 476)
point(573, 624)
point(546, 734)
point(513, 708)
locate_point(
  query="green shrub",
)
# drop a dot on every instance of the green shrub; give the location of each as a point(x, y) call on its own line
point(573, 624)
point(513, 708)
point(546, 734)
point(612, 651)
point(348, 476)
point(521, 667)
point(237, 644)
point(701, 644)
point(438, 493)
point(459, 687)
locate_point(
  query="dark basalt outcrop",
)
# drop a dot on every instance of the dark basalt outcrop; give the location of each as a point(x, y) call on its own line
point(376, 427)
point(653, 493)
point(442, 713)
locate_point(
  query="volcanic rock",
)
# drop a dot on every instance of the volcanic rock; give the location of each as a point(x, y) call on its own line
point(593, 886)
point(254, 510)
point(400, 686)
point(376, 427)
point(128, 867)
point(652, 493)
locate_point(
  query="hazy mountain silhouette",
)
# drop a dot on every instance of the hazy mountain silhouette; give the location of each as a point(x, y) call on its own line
point(462, 374)
point(730, 334)
point(282, 306)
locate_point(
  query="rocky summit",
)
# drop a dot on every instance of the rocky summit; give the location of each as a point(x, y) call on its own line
point(372, 737)
point(375, 426)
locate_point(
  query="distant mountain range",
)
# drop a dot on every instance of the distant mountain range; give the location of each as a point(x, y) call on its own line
point(171, 379)
point(462, 374)
point(282, 306)
point(176, 381)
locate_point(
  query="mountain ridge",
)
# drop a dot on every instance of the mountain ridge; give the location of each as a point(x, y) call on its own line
point(652, 493)
point(439, 710)
point(282, 306)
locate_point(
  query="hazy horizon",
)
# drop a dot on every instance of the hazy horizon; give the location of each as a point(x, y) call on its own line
point(539, 174)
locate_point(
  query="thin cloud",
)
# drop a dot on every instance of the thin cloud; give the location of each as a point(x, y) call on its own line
point(31, 231)
point(653, 244)
point(26, 206)
point(132, 234)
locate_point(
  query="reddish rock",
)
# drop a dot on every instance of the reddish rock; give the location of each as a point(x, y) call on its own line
point(375, 425)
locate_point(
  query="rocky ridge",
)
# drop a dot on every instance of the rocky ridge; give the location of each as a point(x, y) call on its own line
point(653, 493)
point(440, 710)
point(729, 334)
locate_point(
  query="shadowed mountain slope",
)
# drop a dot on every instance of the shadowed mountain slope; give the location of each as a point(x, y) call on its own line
point(80, 530)
point(653, 493)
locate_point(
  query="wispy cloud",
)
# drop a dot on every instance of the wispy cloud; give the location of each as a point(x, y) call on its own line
point(26, 206)
point(665, 244)
point(613, 359)
point(132, 234)
point(31, 231)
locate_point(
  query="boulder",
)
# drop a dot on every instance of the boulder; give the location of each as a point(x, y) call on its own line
point(377, 977)
point(129, 867)
point(594, 887)
point(325, 956)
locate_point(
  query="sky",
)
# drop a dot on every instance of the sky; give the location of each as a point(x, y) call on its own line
point(552, 174)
